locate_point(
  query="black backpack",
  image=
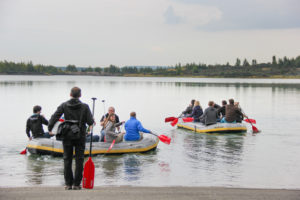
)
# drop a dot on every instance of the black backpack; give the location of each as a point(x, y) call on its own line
point(70, 129)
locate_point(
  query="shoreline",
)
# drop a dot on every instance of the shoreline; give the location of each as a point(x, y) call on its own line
point(142, 76)
point(134, 192)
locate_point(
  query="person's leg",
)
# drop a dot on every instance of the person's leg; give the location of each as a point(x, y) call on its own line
point(79, 156)
point(141, 136)
point(47, 135)
point(68, 156)
point(88, 138)
point(119, 138)
point(223, 120)
point(102, 135)
point(96, 138)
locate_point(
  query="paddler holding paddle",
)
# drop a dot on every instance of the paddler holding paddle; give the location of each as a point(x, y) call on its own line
point(74, 110)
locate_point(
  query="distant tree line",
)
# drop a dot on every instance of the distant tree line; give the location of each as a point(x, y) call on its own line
point(242, 68)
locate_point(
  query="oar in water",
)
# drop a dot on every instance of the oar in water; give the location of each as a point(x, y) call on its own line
point(254, 129)
point(165, 139)
point(24, 151)
point(89, 167)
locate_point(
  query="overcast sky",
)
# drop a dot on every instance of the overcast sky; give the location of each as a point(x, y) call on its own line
point(147, 32)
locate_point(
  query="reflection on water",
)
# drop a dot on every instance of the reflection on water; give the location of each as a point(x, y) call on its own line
point(111, 165)
point(39, 168)
point(148, 81)
point(35, 165)
point(132, 166)
point(240, 85)
point(215, 153)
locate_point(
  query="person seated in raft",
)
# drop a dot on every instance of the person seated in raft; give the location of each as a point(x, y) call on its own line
point(110, 129)
point(111, 110)
point(197, 112)
point(189, 109)
point(134, 129)
point(216, 106)
point(221, 110)
point(232, 113)
point(239, 117)
point(35, 124)
point(210, 115)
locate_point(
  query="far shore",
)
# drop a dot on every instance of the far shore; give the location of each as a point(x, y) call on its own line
point(141, 75)
point(148, 193)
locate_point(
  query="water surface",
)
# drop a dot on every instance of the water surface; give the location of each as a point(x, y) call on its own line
point(269, 159)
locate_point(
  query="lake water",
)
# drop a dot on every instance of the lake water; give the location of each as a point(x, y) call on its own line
point(269, 159)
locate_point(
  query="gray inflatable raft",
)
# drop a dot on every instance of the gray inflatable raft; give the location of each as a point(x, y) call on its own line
point(45, 146)
point(215, 128)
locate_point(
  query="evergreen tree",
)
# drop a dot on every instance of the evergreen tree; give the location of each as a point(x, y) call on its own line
point(246, 63)
point(274, 61)
point(238, 62)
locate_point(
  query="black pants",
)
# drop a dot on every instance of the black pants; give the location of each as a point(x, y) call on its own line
point(69, 146)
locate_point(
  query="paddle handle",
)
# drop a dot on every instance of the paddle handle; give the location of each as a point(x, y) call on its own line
point(94, 99)
point(153, 134)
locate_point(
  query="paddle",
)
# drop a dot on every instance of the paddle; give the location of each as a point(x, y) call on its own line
point(24, 151)
point(111, 146)
point(253, 121)
point(186, 119)
point(170, 119)
point(89, 167)
point(254, 129)
point(165, 139)
point(174, 122)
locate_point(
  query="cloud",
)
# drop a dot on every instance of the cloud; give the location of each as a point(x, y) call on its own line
point(171, 17)
point(191, 15)
point(251, 14)
point(135, 32)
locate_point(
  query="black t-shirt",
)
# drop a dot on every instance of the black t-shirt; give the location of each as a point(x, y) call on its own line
point(35, 125)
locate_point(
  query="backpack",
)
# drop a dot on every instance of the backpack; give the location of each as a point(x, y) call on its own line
point(70, 129)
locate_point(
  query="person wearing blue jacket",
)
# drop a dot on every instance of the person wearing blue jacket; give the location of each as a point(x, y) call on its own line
point(133, 128)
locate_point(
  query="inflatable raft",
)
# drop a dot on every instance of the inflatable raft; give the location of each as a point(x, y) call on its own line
point(45, 146)
point(215, 128)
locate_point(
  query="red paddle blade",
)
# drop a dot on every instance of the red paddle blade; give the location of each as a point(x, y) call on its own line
point(253, 121)
point(88, 174)
point(170, 119)
point(188, 119)
point(174, 122)
point(23, 152)
point(111, 146)
point(254, 129)
point(165, 139)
